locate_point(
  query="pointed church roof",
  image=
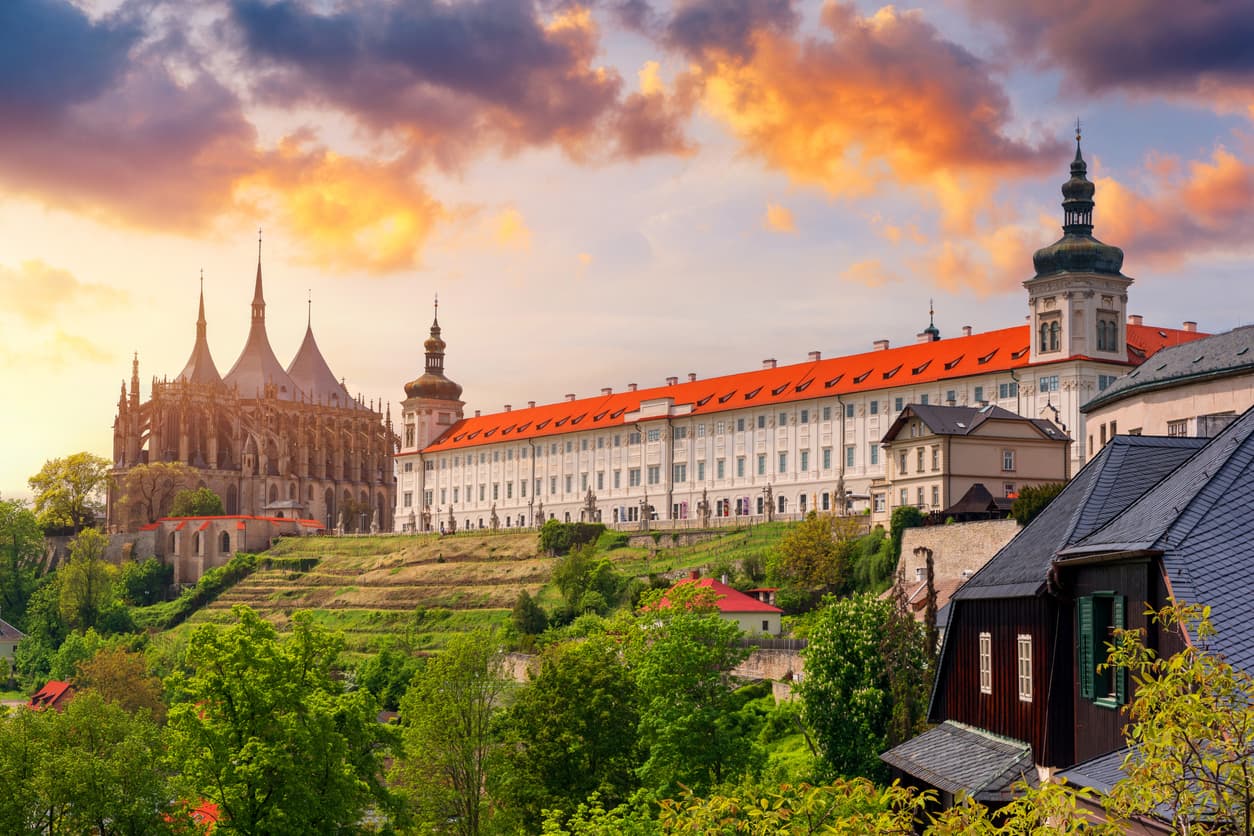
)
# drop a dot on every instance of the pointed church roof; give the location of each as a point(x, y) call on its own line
point(200, 367)
point(257, 366)
point(309, 371)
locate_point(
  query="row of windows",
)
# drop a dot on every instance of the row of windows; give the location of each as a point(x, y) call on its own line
point(1023, 656)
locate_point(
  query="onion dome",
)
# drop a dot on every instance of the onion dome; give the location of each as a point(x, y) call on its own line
point(200, 367)
point(1078, 251)
point(433, 384)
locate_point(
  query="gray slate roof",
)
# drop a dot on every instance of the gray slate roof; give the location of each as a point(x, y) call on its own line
point(958, 758)
point(1199, 518)
point(309, 371)
point(1126, 468)
point(10, 633)
point(200, 367)
point(1100, 773)
point(963, 420)
point(1220, 355)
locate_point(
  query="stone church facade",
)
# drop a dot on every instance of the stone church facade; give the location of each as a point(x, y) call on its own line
point(270, 441)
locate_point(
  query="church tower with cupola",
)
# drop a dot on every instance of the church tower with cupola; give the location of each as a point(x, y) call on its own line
point(432, 402)
point(1078, 298)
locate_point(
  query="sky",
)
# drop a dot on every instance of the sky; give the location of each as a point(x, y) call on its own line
point(600, 193)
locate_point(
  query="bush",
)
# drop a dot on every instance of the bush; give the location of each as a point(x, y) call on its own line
point(905, 516)
point(528, 616)
point(144, 582)
point(201, 502)
point(1033, 500)
point(557, 538)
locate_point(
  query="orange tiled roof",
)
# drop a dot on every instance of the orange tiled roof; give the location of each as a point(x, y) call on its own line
point(914, 364)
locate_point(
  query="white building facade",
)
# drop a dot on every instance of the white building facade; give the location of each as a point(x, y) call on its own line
point(779, 440)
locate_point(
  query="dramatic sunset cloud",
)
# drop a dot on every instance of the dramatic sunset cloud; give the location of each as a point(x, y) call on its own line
point(1189, 49)
point(348, 213)
point(1180, 209)
point(880, 98)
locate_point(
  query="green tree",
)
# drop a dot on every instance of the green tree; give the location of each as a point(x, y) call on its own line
point(681, 656)
point(1190, 730)
point(69, 492)
point(86, 582)
point(571, 732)
point(588, 583)
point(528, 617)
point(846, 691)
point(449, 744)
point(387, 674)
point(91, 768)
point(45, 630)
point(143, 582)
point(121, 677)
point(147, 491)
point(269, 736)
point(1032, 500)
point(904, 516)
point(21, 550)
point(200, 502)
point(814, 554)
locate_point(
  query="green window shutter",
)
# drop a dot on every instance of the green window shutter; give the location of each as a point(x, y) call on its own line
point(1084, 645)
point(1119, 674)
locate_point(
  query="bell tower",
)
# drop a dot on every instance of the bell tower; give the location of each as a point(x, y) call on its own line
point(1078, 299)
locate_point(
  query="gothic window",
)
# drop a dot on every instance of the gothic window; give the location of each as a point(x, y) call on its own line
point(225, 543)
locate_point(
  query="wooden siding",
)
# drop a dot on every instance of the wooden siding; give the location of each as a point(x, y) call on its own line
point(1099, 728)
point(1042, 723)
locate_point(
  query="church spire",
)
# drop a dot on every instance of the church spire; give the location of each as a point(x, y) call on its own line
point(259, 301)
point(200, 367)
point(433, 383)
point(1077, 194)
point(135, 380)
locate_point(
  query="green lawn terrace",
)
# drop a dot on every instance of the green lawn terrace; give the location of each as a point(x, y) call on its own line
point(426, 588)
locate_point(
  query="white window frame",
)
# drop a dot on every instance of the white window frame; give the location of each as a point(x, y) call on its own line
point(986, 663)
point(1024, 643)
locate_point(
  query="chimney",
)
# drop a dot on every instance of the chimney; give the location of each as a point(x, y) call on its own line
point(768, 363)
point(693, 574)
point(966, 330)
point(508, 407)
point(606, 390)
point(880, 345)
point(923, 337)
point(476, 413)
point(631, 387)
point(692, 377)
point(723, 579)
point(531, 404)
point(570, 396)
point(1134, 319)
point(815, 356)
point(1190, 326)
point(671, 381)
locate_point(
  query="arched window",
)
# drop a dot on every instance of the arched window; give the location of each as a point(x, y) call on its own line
point(198, 543)
point(1054, 330)
point(1044, 343)
point(225, 543)
point(291, 491)
point(274, 494)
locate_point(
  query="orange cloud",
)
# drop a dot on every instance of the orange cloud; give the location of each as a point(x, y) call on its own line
point(881, 98)
point(778, 218)
point(37, 292)
point(870, 272)
point(348, 214)
point(1181, 209)
point(510, 230)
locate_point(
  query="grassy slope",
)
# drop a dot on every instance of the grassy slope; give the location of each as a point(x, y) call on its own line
point(428, 587)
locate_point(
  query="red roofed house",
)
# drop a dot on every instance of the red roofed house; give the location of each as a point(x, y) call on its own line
point(55, 694)
point(195, 544)
point(751, 614)
point(799, 437)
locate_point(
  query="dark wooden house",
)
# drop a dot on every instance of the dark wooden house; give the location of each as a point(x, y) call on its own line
point(1003, 692)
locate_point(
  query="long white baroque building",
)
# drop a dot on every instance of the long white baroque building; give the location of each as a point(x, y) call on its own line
point(795, 436)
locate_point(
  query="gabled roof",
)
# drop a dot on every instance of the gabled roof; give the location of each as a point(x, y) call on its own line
point(965, 420)
point(1126, 468)
point(10, 633)
point(310, 372)
point(908, 365)
point(1221, 355)
point(53, 694)
point(1198, 518)
point(729, 601)
point(958, 758)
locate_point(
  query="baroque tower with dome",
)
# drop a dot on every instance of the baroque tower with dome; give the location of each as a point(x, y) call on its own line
point(269, 441)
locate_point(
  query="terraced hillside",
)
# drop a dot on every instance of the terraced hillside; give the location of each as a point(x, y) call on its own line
point(372, 587)
point(426, 587)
